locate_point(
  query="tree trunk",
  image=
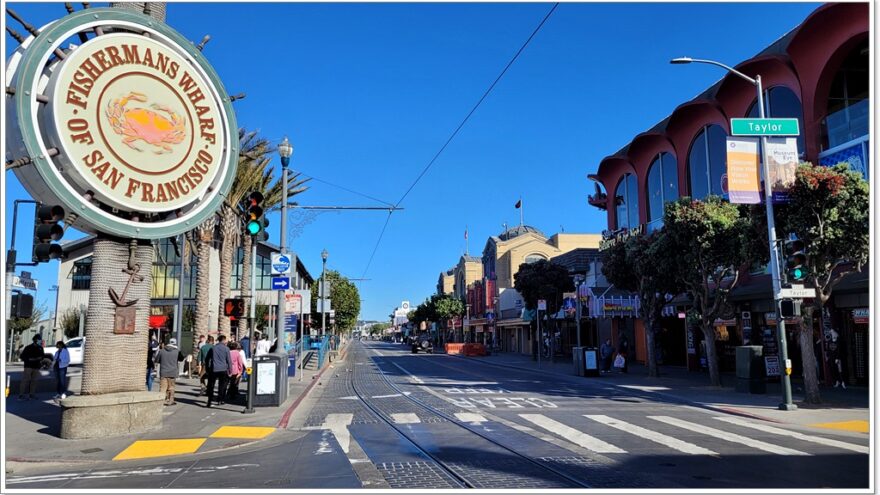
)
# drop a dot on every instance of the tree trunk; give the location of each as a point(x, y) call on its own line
point(653, 368)
point(205, 237)
point(116, 362)
point(228, 230)
point(246, 247)
point(808, 355)
point(711, 355)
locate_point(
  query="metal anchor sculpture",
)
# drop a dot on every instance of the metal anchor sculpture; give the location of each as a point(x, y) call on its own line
point(132, 276)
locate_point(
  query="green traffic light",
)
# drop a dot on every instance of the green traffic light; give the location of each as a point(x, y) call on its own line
point(254, 227)
point(798, 273)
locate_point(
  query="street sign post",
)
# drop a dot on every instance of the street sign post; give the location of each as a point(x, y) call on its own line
point(542, 304)
point(797, 293)
point(280, 283)
point(764, 127)
point(280, 264)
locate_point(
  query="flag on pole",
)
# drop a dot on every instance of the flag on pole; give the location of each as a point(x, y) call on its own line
point(518, 203)
point(465, 232)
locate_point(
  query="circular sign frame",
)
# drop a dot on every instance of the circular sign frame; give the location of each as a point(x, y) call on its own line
point(30, 130)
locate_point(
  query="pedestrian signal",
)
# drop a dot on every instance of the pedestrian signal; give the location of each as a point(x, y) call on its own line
point(233, 307)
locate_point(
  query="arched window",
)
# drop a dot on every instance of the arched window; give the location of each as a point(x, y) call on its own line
point(626, 197)
point(532, 258)
point(707, 163)
point(780, 101)
point(662, 187)
point(847, 112)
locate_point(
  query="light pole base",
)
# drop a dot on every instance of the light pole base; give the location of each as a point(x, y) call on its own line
point(787, 407)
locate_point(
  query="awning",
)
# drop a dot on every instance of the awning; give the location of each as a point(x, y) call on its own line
point(512, 322)
point(610, 302)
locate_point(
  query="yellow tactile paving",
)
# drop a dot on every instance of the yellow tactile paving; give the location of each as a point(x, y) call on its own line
point(160, 448)
point(249, 432)
point(858, 425)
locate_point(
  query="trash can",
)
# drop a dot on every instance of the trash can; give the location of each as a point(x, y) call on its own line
point(270, 379)
point(577, 356)
point(750, 369)
point(591, 361)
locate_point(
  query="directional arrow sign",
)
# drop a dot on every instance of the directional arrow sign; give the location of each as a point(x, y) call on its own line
point(280, 283)
point(798, 293)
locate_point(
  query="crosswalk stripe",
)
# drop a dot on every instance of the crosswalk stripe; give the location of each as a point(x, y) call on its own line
point(730, 437)
point(405, 418)
point(671, 442)
point(572, 435)
point(470, 417)
point(338, 425)
point(862, 449)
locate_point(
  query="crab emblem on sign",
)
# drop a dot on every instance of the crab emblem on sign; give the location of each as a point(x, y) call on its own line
point(160, 127)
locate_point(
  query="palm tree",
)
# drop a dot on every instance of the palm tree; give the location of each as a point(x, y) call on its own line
point(205, 239)
point(252, 162)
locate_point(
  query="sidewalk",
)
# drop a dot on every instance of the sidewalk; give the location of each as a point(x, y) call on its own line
point(33, 426)
point(845, 410)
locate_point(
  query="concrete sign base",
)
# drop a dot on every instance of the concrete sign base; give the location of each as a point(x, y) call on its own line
point(108, 415)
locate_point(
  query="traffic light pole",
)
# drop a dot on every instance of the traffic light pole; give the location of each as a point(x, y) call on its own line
point(11, 256)
point(281, 313)
point(252, 378)
point(787, 404)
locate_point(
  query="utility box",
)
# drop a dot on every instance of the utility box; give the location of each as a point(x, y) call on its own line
point(270, 379)
point(577, 356)
point(591, 361)
point(750, 370)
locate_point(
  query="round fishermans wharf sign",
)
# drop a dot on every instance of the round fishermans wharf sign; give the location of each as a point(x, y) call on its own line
point(131, 129)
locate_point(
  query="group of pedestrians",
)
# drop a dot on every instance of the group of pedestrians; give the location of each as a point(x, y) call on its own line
point(35, 360)
point(606, 352)
point(222, 364)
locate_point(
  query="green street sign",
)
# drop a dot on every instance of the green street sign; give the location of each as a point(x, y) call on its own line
point(764, 127)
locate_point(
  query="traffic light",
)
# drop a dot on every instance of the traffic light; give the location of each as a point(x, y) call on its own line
point(233, 307)
point(256, 222)
point(22, 306)
point(795, 260)
point(47, 230)
point(790, 308)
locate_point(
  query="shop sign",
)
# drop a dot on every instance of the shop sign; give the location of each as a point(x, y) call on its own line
point(135, 133)
point(771, 363)
point(860, 316)
point(691, 346)
point(719, 322)
point(611, 239)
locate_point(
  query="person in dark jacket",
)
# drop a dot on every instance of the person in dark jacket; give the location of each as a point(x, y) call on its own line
point(606, 353)
point(168, 358)
point(151, 365)
point(33, 356)
point(219, 368)
point(623, 350)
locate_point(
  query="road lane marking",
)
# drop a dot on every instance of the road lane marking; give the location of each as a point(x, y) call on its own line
point(857, 425)
point(793, 434)
point(730, 437)
point(338, 423)
point(572, 435)
point(412, 377)
point(470, 417)
point(247, 432)
point(119, 473)
point(143, 449)
point(405, 418)
point(671, 442)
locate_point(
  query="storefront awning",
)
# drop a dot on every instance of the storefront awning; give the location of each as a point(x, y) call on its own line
point(608, 302)
point(512, 322)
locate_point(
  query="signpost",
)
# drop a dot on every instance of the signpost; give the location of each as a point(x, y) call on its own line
point(280, 283)
point(280, 264)
point(797, 293)
point(764, 127)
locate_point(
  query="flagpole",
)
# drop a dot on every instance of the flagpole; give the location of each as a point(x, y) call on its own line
point(466, 242)
point(520, 212)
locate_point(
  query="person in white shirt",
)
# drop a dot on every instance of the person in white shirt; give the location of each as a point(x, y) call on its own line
point(263, 346)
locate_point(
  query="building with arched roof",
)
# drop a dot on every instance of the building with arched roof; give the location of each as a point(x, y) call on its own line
point(817, 73)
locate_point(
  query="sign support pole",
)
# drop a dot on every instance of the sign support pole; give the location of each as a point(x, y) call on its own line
point(252, 379)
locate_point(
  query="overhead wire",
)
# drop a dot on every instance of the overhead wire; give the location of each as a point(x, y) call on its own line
point(455, 132)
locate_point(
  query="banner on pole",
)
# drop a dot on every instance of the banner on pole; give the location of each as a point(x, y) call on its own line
point(782, 159)
point(743, 179)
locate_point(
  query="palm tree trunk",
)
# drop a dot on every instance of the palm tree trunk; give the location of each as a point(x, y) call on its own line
point(228, 230)
point(116, 362)
point(246, 247)
point(205, 236)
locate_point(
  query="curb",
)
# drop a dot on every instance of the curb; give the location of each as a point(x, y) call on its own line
point(667, 396)
point(285, 418)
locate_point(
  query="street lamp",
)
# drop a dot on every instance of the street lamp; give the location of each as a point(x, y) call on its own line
point(787, 404)
point(285, 149)
point(324, 255)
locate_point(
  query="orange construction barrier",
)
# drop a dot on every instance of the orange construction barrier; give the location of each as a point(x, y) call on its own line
point(455, 348)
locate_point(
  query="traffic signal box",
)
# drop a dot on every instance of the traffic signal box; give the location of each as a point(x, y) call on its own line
point(795, 261)
point(233, 307)
point(256, 223)
point(46, 231)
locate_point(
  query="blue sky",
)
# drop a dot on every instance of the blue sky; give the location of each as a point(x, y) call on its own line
point(368, 93)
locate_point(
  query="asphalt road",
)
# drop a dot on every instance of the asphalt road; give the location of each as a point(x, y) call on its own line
point(385, 418)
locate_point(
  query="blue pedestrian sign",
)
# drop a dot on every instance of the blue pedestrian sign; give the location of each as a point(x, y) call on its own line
point(280, 283)
point(280, 264)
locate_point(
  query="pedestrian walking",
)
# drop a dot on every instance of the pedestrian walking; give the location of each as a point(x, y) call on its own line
point(168, 358)
point(60, 362)
point(152, 349)
point(236, 368)
point(33, 356)
point(204, 365)
point(201, 342)
point(606, 352)
point(834, 362)
point(219, 358)
point(263, 345)
point(623, 350)
point(246, 345)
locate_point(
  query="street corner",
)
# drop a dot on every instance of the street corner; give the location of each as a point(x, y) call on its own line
point(855, 425)
point(243, 432)
point(224, 437)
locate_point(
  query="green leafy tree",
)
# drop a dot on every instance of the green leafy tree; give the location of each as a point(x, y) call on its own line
point(69, 322)
point(708, 245)
point(345, 301)
point(830, 212)
point(542, 280)
point(379, 328)
point(18, 325)
point(446, 307)
point(634, 265)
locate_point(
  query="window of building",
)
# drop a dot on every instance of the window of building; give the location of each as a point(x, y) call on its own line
point(707, 162)
point(264, 271)
point(662, 187)
point(780, 101)
point(81, 274)
point(626, 197)
point(532, 258)
point(847, 112)
point(166, 272)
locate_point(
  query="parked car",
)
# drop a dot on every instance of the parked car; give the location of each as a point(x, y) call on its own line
point(75, 347)
point(422, 343)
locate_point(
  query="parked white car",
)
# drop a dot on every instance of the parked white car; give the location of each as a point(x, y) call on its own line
point(75, 348)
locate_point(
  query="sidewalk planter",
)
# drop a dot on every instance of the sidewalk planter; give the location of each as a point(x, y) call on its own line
point(108, 415)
